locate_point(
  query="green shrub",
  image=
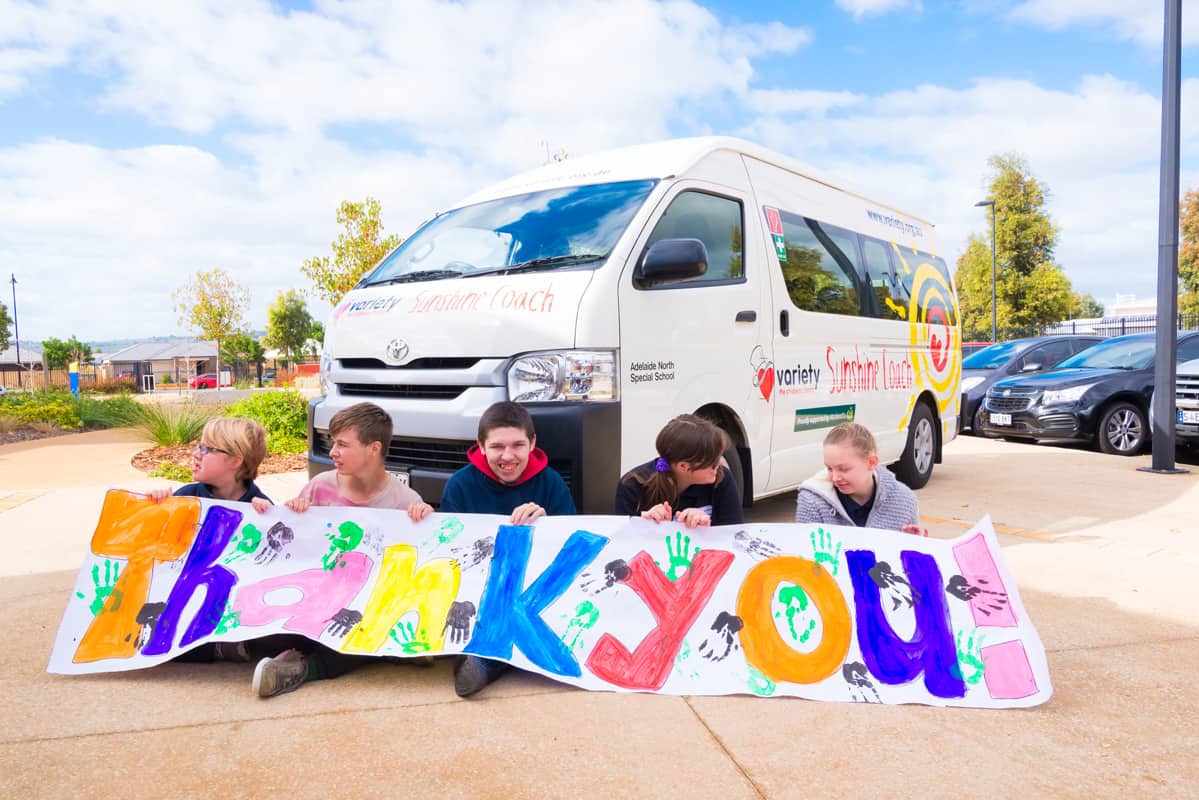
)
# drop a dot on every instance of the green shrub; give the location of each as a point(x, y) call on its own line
point(170, 425)
point(55, 407)
point(284, 414)
point(111, 412)
point(172, 472)
point(114, 386)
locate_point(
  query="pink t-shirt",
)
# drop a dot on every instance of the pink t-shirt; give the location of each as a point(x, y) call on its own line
point(324, 491)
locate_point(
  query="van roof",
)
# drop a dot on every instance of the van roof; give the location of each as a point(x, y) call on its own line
point(663, 159)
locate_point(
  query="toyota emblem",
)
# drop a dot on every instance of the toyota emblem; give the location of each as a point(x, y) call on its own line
point(397, 349)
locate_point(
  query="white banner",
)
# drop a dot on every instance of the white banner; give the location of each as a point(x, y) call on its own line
point(604, 603)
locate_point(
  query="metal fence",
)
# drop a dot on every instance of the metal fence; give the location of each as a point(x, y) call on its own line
point(1100, 326)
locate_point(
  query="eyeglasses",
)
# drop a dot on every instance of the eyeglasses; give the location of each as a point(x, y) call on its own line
point(204, 450)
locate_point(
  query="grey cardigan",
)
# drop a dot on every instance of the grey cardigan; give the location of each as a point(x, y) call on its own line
point(894, 504)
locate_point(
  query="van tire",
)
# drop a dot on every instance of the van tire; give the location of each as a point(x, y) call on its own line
point(915, 466)
point(733, 458)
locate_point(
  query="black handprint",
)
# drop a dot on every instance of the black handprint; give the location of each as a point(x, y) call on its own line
point(458, 621)
point(895, 586)
point(476, 553)
point(962, 589)
point(726, 627)
point(343, 622)
point(858, 680)
point(614, 571)
point(147, 617)
point(753, 546)
point(278, 537)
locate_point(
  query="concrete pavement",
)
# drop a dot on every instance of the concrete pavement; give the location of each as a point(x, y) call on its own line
point(1104, 556)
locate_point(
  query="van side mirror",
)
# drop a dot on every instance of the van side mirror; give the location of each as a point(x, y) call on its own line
point(672, 260)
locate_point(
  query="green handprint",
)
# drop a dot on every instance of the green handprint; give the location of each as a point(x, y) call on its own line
point(684, 654)
point(102, 588)
point(970, 660)
point(586, 615)
point(680, 555)
point(795, 599)
point(759, 684)
point(348, 537)
point(229, 620)
point(244, 543)
point(826, 549)
point(446, 533)
point(406, 636)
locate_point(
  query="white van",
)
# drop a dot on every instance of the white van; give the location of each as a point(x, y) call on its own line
point(612, 292)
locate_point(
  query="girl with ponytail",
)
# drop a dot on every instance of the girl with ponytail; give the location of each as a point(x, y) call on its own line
point(688, 481)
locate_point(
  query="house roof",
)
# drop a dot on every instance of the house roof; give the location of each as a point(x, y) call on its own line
point(30, 354)
point(162, 351)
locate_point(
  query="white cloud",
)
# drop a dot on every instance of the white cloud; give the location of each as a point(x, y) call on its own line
point(865, 8)
point(799, 101)
point(1142, 22)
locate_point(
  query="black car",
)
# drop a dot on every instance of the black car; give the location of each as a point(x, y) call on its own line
point(1101, 393)
point(982, 368)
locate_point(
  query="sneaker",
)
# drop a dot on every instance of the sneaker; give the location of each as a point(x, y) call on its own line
point(472, 674)
point(283, 673)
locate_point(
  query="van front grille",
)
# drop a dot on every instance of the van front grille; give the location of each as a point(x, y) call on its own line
point(400, 390)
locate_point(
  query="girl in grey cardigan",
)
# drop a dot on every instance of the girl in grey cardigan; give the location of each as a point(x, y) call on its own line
point(854, 490)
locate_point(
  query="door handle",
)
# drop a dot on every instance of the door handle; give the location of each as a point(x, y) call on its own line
point(747, 316)
point(784, 323)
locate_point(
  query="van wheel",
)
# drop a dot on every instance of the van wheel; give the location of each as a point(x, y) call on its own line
point(1122, 430)
point(915, 467)
point(733, 459)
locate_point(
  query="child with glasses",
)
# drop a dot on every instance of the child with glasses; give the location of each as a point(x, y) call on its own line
point(688, 483)
point(225, 463)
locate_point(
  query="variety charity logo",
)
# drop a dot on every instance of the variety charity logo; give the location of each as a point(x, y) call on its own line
point(763, 372)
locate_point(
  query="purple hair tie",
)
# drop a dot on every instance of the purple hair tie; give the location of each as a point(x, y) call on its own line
point(661, 465)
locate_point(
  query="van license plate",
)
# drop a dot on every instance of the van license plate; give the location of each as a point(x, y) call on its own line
point(1001, 419)
point(1189, 417)
point(403, 476)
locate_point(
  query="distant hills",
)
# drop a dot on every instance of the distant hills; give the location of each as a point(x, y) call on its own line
point(113, 345)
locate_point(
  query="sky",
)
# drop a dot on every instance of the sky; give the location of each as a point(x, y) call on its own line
point(141, 142)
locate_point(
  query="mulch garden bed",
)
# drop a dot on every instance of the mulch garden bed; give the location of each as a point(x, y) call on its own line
point(148, 460)
point(29, 434)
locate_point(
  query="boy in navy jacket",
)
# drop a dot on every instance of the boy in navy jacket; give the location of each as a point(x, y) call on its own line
point(507, 474)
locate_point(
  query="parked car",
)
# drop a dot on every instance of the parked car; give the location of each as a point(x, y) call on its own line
point(969, 348)
point(1186, 400)
point(205, 381)
point(1019, 356)
point(1102, 394)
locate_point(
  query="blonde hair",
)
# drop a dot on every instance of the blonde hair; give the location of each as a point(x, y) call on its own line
point(854, 434)
point(238, 437)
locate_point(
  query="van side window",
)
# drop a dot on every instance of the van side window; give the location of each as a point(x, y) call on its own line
point(715, 221)
point(938, 285)
point(880, 276)
point(821, 267)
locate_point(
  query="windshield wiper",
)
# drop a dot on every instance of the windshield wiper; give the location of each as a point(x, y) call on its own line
point(420, 275)
point(550, 262)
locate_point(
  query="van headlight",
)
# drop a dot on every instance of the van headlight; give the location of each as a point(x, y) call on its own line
point(1071, 395)
point(326, 380)
point(564, 375)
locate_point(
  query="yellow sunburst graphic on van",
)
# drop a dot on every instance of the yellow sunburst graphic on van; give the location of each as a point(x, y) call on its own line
point(935, 335)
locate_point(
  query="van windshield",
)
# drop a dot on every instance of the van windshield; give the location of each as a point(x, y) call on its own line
point(553, 229)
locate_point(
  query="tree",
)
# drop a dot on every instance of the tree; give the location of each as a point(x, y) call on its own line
point(356, 251)
point(288, 324)
point(1031, 290)
point(1087, 307)
point(214, 305)
point(316, 335)
point(60, 354)
point(1188, 254)
point(243, 348)
point(5, 324)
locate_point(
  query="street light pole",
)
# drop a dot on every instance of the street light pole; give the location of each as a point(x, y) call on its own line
point(994, 310)
point(15, 327)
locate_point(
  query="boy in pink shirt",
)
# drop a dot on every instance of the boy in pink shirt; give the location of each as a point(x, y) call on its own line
point(361, 434)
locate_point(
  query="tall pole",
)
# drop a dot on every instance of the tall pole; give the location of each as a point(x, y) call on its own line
point(15, 327)
point(994, 307)
point(1165, 358)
